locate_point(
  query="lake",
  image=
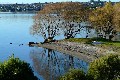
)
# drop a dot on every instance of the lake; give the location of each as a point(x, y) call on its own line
point(47, 64)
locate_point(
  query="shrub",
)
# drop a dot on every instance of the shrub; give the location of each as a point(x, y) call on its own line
point(74, 74)
point(105, 68)
point(15, 69)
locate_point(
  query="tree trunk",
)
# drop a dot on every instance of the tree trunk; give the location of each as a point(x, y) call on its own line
point(49, 39)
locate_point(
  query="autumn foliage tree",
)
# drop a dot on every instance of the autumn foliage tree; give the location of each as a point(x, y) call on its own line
point(106, 19)
point(117, 16)
point(57, 17)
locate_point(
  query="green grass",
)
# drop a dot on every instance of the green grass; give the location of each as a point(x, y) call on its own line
point(81, 40)
point(106, 44)
point(117, 44)
point(114, 45)
point(89, 40)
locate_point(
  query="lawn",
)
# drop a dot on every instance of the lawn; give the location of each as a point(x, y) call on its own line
point(81, 40)
point(90, 40)
point(106, 44)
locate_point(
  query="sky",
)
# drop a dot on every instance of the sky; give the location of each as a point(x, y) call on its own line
point(42, 1)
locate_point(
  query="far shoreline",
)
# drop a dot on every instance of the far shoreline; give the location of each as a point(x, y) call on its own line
point(29, 12)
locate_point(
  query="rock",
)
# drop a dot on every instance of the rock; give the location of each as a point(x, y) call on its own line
point(20, 44)
point(30, 43)
point(10, 43)
point(36, 43)
point(96, 42)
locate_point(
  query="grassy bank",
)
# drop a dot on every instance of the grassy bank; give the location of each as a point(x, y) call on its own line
point(83, 47)
point(114, 45)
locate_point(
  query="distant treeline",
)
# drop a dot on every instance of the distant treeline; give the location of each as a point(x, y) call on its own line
point(33, 7)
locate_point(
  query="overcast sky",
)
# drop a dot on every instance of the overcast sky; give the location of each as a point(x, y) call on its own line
point(42, 1)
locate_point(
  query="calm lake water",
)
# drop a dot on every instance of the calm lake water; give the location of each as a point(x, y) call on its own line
point(47, 64)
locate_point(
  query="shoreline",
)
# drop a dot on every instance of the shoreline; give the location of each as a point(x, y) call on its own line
point(29, 12)
point(83, 51)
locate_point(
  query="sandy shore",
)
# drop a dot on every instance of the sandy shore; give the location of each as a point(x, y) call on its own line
point(85, 52)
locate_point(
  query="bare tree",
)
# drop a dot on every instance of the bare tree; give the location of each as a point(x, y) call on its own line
point(73, 13)
point(57, 17)
point(47, 25)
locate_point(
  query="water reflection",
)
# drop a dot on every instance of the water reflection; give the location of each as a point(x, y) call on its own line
point(51, 64)
point(14, 28)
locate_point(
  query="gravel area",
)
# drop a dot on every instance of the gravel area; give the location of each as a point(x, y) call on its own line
point(85, 52)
